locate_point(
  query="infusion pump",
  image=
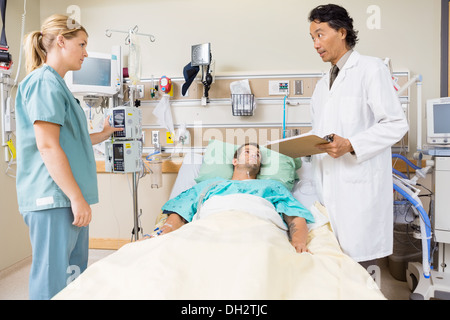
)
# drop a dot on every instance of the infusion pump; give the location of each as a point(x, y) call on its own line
point(128, 118)
point(123, 152)
point(123, 156)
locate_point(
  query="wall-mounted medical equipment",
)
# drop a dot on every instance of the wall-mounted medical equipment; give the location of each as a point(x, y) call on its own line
point(8, 124)
point(100, 74)
point(201, 57)
point(438, 121)
point(279, 87)
point(7, 115)
point(123, 156)
point(5, 56)
point(128, 118)
point(165, 84)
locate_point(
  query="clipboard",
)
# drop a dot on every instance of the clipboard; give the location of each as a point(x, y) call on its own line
point(299, 146)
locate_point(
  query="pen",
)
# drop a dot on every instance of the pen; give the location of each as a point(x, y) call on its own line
point(329, 138)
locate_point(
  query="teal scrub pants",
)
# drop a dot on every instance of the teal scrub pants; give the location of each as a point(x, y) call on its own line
point(60, 251)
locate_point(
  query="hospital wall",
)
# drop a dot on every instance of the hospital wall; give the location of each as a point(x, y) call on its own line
point(247, 37)
point(14, 241)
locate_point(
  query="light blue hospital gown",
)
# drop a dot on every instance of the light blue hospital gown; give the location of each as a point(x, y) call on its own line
point(185, 204)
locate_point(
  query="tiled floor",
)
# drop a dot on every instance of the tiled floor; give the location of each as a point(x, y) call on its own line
point(14, 280)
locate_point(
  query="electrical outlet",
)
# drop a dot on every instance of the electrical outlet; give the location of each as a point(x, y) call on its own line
point(155, 137)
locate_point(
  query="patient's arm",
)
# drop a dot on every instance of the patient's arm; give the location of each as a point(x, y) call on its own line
point(173, 222)
point(298, 232)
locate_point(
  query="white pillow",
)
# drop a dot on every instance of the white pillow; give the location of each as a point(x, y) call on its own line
point(188, 172)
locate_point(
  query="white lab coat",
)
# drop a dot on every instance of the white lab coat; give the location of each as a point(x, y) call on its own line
point(363, 107)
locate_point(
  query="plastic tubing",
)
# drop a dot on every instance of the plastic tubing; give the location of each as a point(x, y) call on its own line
point(425, 229)
point(412, 165)
point(395, 171)
point(148, 157)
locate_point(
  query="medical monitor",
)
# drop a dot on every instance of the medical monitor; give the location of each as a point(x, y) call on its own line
point(100, 75)
point(438, 121)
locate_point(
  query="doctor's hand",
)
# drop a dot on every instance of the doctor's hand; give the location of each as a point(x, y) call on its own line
point(337, 148)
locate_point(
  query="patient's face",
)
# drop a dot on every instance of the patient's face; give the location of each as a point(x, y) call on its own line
point(250, 155)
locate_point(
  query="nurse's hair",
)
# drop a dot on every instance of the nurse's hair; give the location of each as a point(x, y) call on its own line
point(337, 17)
point(38, 43)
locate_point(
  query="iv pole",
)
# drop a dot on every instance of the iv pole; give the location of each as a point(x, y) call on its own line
point(130, 32)
point(134, 30)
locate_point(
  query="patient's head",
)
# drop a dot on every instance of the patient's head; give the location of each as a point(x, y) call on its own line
point(247, 160)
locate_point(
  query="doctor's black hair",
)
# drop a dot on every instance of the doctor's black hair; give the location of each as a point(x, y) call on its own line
point(337, 17)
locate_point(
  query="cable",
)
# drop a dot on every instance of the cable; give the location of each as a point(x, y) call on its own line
point(21, 42)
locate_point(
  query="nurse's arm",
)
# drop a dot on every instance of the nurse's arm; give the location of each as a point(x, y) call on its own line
point(57, 164)
point(298, 232)
point(107, 131)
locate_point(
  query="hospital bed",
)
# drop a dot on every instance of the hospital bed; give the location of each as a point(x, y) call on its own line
point(231, 254)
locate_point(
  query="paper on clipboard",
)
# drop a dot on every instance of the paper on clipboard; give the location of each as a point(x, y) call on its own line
point(298, 146)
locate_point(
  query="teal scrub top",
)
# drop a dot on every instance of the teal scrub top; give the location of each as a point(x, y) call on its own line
point(186, 203)
point(43, 95)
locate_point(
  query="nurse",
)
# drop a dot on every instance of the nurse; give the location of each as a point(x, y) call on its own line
point(356, 102)
point(56, 170)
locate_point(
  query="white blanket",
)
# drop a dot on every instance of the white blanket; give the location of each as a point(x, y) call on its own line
point(254, 205)
point(227, 255)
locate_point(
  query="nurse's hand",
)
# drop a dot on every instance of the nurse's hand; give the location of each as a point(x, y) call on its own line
point(337, 148)
point(82, 213)
point(106, 132)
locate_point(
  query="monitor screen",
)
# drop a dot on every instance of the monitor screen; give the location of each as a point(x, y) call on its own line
point(441, 118)
point(94, 72)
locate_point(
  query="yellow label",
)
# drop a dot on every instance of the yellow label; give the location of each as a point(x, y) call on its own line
point(127, 145)
point(169, 138)
point(12, 148)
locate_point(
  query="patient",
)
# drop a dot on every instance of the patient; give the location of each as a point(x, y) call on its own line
point(247, 163)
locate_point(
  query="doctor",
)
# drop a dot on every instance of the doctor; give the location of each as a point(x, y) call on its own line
point(356, 102)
